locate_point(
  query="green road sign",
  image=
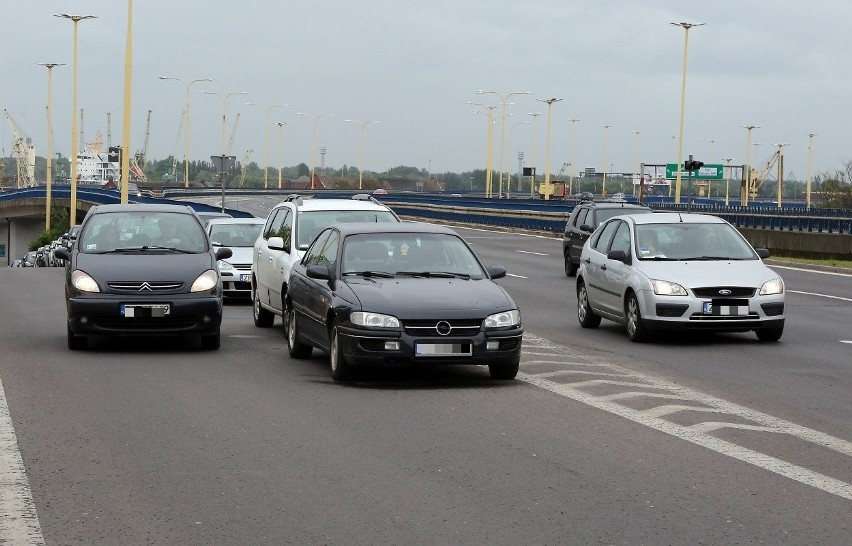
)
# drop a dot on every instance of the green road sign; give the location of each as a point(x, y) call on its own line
point(707, 172)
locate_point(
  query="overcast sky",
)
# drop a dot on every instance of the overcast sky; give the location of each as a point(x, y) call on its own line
point(781, 64)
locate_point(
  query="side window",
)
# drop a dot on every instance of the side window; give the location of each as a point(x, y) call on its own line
point(273, 223)
point(328, 254)
point(314, 254)
point(285, 226)
point(606, 232)
point(581, 217)
point(621, 239)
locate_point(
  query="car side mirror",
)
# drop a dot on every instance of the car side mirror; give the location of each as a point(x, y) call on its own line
point(276, 243)
point(618, 255)
point(62, 253)
point(496, 271)
point(318, 271)
point(762, 253)
point(587, 228)
point(223, 253)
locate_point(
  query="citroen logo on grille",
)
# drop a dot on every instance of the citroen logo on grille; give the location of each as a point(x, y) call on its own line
point(145, 286)
point(443, 328)
point(724, 292)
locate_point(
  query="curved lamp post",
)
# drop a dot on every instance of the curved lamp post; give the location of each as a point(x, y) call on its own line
point(361, 158)
point(266, 139)
point(316, 118)
point(49, 155)
point(686, 27)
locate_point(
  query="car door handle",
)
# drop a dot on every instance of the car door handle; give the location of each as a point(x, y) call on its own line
point(588, 260)
point(603, 267)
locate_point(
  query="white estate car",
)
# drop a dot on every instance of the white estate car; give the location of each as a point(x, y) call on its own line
point(238, 234)
point(677, 271)
point(290, 228)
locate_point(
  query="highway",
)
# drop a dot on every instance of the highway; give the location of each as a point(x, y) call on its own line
point(698, 439)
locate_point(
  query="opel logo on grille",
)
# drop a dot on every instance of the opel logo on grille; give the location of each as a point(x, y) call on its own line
point(145, 286)
point(724, 292)
point(443, 328)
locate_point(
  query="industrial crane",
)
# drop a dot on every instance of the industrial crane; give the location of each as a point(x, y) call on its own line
point(171, 176)
point(246, 161)
point(233, 134)
point(759, 177)
point(24, 154)
point(137, 163)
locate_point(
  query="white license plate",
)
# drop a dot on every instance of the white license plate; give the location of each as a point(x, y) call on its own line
point(153, 310)
point(245, 277)
point(443, 349)
point(724, 310)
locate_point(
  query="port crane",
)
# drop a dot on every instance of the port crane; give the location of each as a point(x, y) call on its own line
point(24, 154)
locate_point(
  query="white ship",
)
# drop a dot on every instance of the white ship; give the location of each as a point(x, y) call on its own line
point(103, 170)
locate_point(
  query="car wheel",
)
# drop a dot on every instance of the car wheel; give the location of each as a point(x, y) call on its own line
point(340, 369)
point(587, 317)
point(76, 343)
point(211, 342)
point(296, 348)
point(262, 317)
point(504, 372)
point(570, 266)
point(636, 330)
point(769, 334)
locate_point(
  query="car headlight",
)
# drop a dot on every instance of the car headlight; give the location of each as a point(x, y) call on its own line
point(374, 320)
point(666, 288)
point(205, 281)
point(504, 319)
point(83, 282)
point(225, 265)
point(775, 286)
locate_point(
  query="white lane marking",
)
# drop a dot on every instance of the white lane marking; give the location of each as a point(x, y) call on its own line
point(845, 341)
point(772, 266)
point(19, 521)
point(517, 276)
point(530, 252)
point(820, 295)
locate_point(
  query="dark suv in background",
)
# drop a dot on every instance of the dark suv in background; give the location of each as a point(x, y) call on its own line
point(585, 218)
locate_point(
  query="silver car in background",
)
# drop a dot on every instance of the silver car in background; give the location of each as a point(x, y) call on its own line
point(238, 234)
point(665, 271)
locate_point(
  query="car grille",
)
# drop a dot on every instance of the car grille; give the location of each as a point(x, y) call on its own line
point(144, 286)
point(772, 309)
point(715, 291)
point(431, 327)
point(242, 266)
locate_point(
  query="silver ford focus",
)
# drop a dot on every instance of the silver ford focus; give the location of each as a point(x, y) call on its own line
point(687, 271)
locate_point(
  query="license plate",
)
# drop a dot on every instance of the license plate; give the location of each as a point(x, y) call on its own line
point(724, 310)
point(443, 349)
point(245, 277)
point(707, 308)
point(153, 310)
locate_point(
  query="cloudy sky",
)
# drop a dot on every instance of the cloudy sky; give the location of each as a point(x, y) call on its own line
point(783, 65)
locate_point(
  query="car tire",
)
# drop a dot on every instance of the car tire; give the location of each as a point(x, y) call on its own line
point(76, 343)
point(340, 369)
point(262, 317)
point(636, 330)
point(587, 317)
point(769, 334)
point(211, 342)
point(570, 267)
point(504, 372)
point(296, 348)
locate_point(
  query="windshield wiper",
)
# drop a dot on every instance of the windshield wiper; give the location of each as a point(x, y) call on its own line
point(706, 258)
point(173, 249)
point(435, 274)
point(382, 274)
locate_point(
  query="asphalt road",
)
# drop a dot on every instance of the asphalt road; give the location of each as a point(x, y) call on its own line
point(689, 440)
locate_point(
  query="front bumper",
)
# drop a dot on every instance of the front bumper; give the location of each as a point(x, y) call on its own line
point(100, 314)
point(719, 314)
point(363, 347)
point(236, 283)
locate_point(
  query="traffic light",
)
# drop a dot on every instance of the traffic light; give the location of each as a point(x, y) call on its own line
point(692, 165)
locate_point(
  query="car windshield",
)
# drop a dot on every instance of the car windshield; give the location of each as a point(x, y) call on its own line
point(144, 231)
point(310, 223)
point(235, 234)
point(682, 241)
point(409, 254)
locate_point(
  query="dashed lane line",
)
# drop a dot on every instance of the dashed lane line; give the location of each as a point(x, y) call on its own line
point(18, 519)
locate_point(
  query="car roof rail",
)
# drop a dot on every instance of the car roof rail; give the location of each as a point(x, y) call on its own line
point(364, 197)
point(293, 197)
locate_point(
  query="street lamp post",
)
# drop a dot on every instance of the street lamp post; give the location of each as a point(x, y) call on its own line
point(49, 155)
point(503, 102)
point(780, 172)
point(686, 27)
point(266, 139)
point(548, 190)
point(603, 186)
point(73, 212)
point(509, 182)
point(747, 168)
point(128, 88)
point(186, 140)
point(489, 160)
point(728, 181)
point(810, 165)
point(534, 116)
point(573, 146)
point(361, 148)
point(636, 160)
point(281, 125)
point(315, 118)
point(224, 98)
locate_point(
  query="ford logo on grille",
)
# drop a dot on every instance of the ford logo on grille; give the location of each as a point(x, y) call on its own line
point(443, 328)
point(724, 292)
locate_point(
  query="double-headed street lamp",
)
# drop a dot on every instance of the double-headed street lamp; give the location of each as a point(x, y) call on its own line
point(316, 118)
point(187, 85)
point(548, 190)
point(73, 212)
point(504, 100)
point(266, 141)
point(747, 169)
point(361, 159)
point(686, 27)
point(224, 99)
point(49, 156)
